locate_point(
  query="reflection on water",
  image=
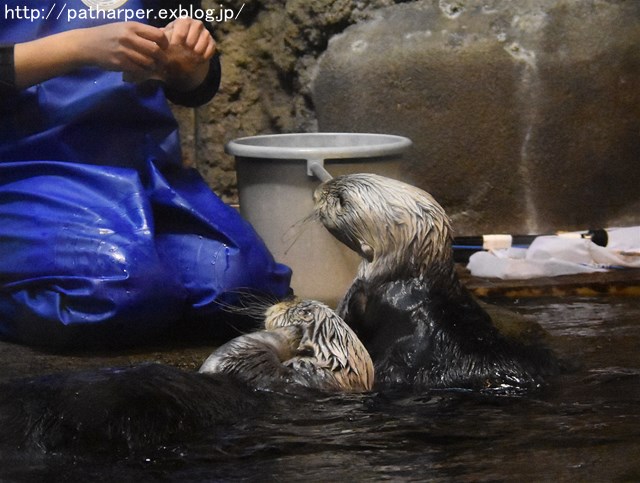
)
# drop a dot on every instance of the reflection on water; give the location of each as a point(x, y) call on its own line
point(583, 427)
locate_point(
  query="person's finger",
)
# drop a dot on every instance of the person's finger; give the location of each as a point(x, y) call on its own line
point(200, 43)
point(206, 46)
point(152, 34)
point(132, 60)
point(179, 31)
point(142, 50)
point(196, 28)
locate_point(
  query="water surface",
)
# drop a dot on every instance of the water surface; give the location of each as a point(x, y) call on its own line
point(585, 426)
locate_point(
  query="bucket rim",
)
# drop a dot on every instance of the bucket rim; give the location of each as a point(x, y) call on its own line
point(365, 146)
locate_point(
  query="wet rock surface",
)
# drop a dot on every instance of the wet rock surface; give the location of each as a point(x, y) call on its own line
point(525, 114)
point(19, 361)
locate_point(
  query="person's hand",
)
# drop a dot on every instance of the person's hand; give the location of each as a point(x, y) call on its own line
point(177, 54)
point(133, 48)
point(191, 35)
point(186, 61)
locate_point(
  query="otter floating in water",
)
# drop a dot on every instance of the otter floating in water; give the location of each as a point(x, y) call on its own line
point(305, 345)
point(420, 325)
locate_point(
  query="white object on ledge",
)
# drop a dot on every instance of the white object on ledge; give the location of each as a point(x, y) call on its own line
point(565, 254)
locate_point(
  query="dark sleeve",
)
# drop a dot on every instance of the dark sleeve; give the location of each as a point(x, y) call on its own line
point(201, 94)
point(7, 71)
point(208, 88)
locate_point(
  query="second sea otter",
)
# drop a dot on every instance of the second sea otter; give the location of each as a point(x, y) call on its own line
point(304, 343)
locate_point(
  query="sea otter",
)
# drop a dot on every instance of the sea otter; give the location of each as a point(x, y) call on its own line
point(304, 345)
point(328, 351)
point(421, 326)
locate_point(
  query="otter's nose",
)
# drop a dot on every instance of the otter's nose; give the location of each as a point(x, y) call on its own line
point(319, 193)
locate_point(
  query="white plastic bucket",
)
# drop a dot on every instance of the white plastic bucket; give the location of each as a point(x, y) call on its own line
point(277, 175)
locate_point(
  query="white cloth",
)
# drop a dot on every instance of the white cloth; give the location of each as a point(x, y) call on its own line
point(565, 254)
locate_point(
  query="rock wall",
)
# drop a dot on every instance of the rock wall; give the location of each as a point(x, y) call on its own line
point(269, 56)
point(525, 114)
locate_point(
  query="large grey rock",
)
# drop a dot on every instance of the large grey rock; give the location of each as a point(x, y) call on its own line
point(525, 114)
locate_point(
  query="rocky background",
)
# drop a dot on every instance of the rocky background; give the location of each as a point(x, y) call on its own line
point(269, 56)
point(525, 114)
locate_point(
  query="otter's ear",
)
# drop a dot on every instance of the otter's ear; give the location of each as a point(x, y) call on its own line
point(367, 252)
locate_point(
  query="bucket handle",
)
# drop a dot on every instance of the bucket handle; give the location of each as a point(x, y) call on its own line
point(315, 167)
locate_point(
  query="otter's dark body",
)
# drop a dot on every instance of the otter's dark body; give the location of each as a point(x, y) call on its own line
point(428, 338)
point(119, 410)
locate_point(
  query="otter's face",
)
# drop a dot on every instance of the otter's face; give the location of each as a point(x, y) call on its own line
point(333, 202)
point(292, 312)
point(391, 224)
point(327, 342)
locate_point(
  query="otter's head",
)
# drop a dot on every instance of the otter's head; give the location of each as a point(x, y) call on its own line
point(292, 312)
point(328, 342)
point(399, 230)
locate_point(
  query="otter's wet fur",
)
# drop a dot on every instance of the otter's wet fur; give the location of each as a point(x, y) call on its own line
point(328, 350)
point(121, 410)
point(421, 326)
point(304, 343)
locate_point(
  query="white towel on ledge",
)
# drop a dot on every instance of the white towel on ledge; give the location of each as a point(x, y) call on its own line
point(564, 254)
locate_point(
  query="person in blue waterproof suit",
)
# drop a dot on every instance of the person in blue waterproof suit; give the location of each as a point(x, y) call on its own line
point(105, 238)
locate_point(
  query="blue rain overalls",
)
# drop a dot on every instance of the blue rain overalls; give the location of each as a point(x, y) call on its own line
point(104, 236)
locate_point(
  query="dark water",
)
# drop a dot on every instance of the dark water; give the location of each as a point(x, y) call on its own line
point(584, 427)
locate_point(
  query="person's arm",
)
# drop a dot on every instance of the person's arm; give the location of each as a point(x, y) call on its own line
point(128, 47)
point(209, 86)
point(193, 68)
point(190, 48)
point(180, 54)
